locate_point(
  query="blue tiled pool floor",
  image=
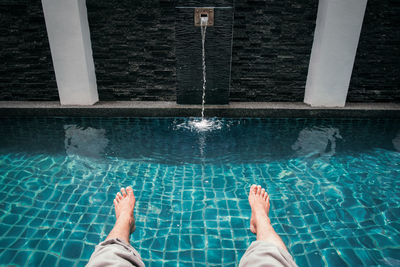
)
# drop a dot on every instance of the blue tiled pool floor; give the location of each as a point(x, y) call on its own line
point(333, 183)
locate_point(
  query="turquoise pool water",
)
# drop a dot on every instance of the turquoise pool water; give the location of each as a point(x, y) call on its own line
point(334, 186)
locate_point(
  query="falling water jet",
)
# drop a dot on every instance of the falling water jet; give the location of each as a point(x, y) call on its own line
point(203, 27)
point(203, 124)
point(203, 17)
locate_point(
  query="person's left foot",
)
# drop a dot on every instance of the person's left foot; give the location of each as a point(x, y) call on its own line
point(259, 203)
point(124, 203)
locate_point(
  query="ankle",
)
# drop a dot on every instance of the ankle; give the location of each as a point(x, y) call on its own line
point(261, 216)
point(125, 218)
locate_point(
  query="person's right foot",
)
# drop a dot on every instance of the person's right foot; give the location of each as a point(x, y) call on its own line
point(259, 203)
point(124, 205)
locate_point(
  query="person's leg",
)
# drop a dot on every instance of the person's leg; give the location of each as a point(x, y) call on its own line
point(125, 225)
point(269, 249)
point(260, 224)
point(116, 249)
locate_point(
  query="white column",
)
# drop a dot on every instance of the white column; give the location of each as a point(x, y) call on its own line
point(334, 49)
point(69, 37)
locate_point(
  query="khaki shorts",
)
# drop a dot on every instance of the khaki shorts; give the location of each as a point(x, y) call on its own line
point(115, 252)
point(266, 254)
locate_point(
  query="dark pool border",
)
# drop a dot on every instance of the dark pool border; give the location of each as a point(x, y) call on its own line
point(171, 109)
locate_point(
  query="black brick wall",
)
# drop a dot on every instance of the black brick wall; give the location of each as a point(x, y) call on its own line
point(376, 72)
point(133, 46)
point(134, 50)
point(26, 69)
point(272, 43)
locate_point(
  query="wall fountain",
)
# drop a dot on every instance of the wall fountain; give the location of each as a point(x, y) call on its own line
point(204, 15)
point(216, 50)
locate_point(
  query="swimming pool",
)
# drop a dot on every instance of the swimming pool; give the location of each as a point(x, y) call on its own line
point(334, 186)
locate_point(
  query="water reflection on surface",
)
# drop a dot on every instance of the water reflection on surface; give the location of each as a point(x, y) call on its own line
point(396, 142)
point(175, 141)
point(86, 142)
point(317, 141)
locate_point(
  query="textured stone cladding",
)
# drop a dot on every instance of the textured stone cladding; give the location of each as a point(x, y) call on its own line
point(135, 58)
point(26, 69)
point(134, 50)
point(272, 43)
point(376, 72)
point(133, 46)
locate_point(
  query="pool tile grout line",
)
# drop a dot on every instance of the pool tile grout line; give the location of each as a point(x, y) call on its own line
point(171, 109)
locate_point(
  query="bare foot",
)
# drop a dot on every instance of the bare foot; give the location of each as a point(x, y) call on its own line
point(124, 203)
point(260, 224)
point(259, 203)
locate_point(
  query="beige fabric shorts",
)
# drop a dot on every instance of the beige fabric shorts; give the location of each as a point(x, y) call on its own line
point(265, 254)
point(115, 252)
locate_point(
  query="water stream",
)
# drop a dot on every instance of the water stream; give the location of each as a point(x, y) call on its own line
point(203, 25)
point(203, 124)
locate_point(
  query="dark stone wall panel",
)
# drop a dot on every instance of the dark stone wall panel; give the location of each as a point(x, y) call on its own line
point(133, 48)
point(26, 69)
point(272, 43)
point(376, 72)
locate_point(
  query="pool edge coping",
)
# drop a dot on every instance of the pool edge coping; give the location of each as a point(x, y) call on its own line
point(171, 109)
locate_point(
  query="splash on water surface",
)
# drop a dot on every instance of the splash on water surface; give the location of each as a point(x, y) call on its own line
point(202, 125)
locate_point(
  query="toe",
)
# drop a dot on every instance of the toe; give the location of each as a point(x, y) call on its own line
point(129, 190)
point(262, 192)
point(258, 189)
point(119, 196)
point(123, 192)
point(253, 189)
